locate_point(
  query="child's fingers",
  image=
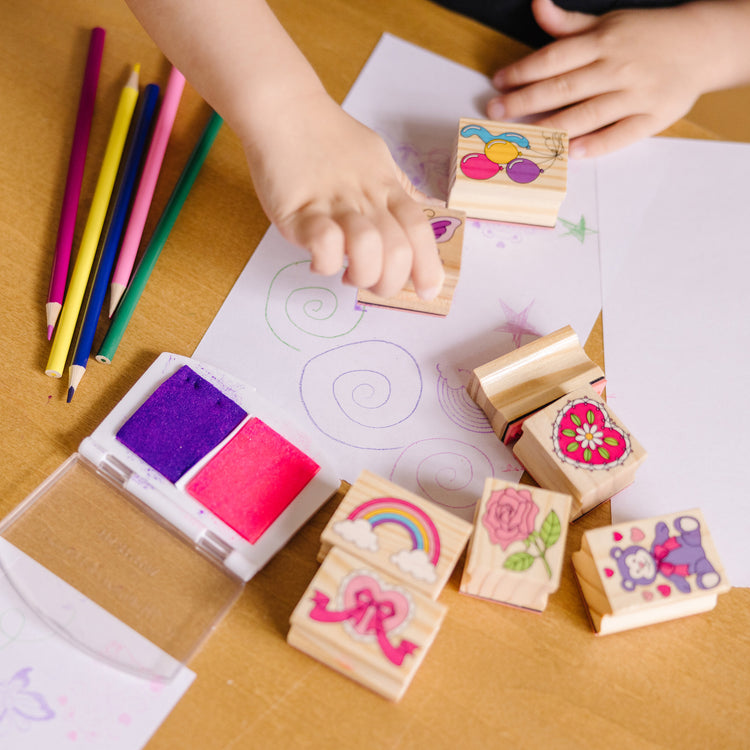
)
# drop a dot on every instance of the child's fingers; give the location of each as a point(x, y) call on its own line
point(397, 255)
point(613, 137)
point(364, 249)
point(321, 236)
point(592, 115)
point(553, 60)
point(551, 94)
point(427, 272)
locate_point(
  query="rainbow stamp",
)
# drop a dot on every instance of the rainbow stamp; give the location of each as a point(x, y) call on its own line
point(397, 531)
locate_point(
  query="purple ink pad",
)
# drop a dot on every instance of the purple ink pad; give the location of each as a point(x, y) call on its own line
point(179, 423)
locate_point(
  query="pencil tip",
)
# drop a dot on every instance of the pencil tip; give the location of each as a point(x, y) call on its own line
point(71, 391)
point(50, 329)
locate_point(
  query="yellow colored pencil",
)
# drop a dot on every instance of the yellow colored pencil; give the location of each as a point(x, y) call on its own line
point(93, 229)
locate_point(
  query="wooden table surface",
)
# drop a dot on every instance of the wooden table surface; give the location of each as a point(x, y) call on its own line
point(495, 676)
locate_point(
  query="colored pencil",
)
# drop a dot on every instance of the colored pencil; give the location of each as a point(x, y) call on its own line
point(74, 179)
point(113, 226)
point(93, 229)
point(146, 187)
point(161, 232)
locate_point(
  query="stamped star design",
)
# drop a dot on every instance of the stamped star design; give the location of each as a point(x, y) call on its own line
point(516, 323)
point(578, 230)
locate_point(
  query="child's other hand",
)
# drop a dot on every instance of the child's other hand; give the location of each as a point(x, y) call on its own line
point(331, 186)
point(608, 80)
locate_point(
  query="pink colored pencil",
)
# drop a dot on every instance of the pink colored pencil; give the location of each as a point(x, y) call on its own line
point(146, 187)
point(73, 181)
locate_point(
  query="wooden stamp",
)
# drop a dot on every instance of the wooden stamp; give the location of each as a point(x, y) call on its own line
point(519, 383)
point(509, 172)
point(365, 624)
point(406, 536)
point(516, 552)
point(643, 572)
point(577, 445)
point(448, 228)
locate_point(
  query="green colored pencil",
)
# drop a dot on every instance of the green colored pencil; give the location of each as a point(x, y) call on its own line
point(137, 284)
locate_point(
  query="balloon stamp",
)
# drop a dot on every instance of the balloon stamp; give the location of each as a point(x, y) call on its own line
point(509, 172)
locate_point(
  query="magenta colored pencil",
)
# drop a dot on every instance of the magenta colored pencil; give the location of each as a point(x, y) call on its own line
point(146, 187)
point(74, 179)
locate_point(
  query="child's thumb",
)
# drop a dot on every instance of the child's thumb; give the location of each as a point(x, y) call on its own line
point(558, 22)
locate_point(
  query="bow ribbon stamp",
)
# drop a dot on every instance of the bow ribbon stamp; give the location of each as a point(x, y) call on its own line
point(369, 611)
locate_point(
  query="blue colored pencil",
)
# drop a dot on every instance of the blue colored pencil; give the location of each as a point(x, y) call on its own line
point(132, 157)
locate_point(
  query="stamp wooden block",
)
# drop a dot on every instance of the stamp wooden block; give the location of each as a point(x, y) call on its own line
point(509, 172)
point(406, 536)
point(365, 624)
point(577, 445)
point(643, 572)
point(514, 386)
point(448, 228)
point(516, 552)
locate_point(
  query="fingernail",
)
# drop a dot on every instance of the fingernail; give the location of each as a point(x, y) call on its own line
point(498, 79)
point(429, 294)
point(495, 109)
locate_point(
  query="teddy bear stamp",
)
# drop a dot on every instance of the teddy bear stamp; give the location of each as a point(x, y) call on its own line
point(653, 570)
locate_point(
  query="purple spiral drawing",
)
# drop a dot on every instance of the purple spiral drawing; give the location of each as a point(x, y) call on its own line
point(449, 472)
point(362, 394)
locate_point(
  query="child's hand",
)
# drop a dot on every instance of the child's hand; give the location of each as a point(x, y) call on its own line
point(331, 186)
point(612, 79)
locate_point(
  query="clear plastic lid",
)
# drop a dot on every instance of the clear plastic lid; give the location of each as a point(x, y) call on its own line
point(110, 576)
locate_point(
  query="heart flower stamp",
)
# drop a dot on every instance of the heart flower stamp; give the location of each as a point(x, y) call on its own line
point(584, 435)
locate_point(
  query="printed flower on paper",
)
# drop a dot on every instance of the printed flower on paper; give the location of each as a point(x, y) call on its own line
point(19, 705)
point(510, 517)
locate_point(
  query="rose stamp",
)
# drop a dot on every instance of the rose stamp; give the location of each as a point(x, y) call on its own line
point(578, 445)
point(516, 552)
point(643, 572)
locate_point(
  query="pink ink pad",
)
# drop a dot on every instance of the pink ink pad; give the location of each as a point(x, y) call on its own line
point(252, 479)
point(179, 423)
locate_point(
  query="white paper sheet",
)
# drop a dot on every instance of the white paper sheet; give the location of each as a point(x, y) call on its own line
point(384, 389)
point(675, 268)
point(53, 695)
